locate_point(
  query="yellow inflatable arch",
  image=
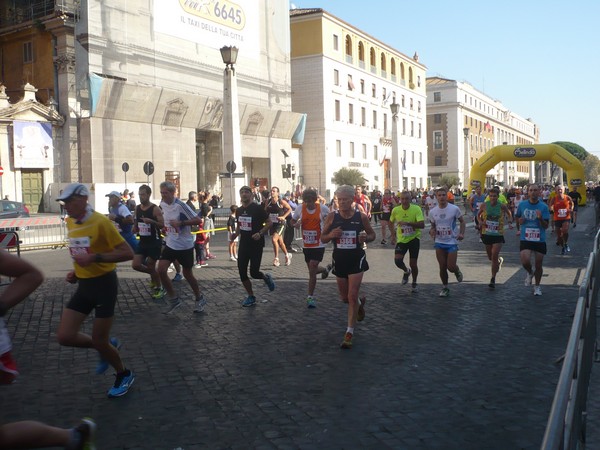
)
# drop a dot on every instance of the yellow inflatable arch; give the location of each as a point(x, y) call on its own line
point(538, 152)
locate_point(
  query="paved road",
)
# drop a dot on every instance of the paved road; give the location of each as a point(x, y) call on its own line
point(473, 371)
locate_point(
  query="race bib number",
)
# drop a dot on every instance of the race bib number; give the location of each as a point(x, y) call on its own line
point(492, 226)
point(245, 223)
point(79, 246)
point(532, 234)
point(443, 232)
point(348, 240)
point(310, 237)
point(144, 229)
point(172, 231)
point(386, 208)
point(562, 213)
point(274, 218)
point(407, 230)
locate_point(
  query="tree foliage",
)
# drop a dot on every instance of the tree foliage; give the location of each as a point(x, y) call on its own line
point(353, 177)
point(522, 182)
point(449, 180)
point(576, 150)
point(592, 168)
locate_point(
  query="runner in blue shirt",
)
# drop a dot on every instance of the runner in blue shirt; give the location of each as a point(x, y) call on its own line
point(534, 217)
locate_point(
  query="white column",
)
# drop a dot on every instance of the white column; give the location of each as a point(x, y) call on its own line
point(531, 171)
point(232, 144)
point(467, 164)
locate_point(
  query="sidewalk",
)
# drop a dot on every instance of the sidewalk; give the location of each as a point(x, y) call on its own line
point(473, 371)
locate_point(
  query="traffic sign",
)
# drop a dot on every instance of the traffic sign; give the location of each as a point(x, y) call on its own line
point(125, 167)
point(230, 166)
point(148, 168)
point(1, 171)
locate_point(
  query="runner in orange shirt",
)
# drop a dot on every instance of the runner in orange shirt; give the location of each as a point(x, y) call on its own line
point(561, 206)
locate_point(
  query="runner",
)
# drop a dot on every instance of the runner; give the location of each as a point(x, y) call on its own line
point(408, 217)
point(121, 217)
point(534, 217)
point(561, 206)
point(349, 228)
point(388, 203)
point(491, 217)
point(179, 246)
point(310, 217)
point(231, 221)
point(278, 209)
point(148, 223)
point(576, 197)
point(363, 200)
point(443, 230)
point(476, 199)
point(95, 246)
point(252, 225)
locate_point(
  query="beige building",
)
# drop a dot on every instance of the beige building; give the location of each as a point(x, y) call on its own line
point(142, 81)
point(346, 81)
point(464, 123)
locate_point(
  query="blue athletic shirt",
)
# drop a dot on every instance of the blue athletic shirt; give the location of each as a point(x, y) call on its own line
point(531, 229)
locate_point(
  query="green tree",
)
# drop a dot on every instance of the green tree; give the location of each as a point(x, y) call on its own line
point(592, 168)
point(449, 180)
point(576, 150)
point(522, 182)
point(353, 177)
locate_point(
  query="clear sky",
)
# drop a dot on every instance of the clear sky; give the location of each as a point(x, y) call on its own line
point(541, 59)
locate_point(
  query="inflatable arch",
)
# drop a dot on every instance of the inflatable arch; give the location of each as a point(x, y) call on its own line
point(538, 152)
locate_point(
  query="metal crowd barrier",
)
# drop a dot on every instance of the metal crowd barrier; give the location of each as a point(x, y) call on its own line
point(566, 427)
point(37, 232)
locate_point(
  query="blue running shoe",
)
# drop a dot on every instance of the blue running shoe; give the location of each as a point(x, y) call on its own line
point(103, 364)
point(178, 277)
point(249, 301)
point(123, 382)
point(269, 281)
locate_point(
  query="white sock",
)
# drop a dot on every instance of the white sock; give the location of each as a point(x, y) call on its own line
point(350, 330)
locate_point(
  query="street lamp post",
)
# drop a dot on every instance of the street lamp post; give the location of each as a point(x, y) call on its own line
point(396, 176)
point(232, 145)
point(467, 160)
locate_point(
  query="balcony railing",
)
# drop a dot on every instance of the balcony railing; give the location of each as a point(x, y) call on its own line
point(36, 9)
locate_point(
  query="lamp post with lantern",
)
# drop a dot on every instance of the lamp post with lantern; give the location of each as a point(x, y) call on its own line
point(232, 145)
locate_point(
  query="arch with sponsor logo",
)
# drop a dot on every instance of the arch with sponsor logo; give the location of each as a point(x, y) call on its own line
point(538, 152)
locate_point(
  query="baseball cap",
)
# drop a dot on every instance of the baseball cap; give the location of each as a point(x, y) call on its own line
point(115, 193)
point(73, 189)
point(245, 188)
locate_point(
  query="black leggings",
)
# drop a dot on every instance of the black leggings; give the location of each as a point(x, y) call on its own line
point(250, 254)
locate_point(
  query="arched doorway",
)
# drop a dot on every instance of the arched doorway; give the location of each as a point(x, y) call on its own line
point(538, 152)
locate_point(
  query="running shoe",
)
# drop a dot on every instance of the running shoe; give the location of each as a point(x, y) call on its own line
point(211, 256)
point(459, 276)
point(406, 276)
point(492, 284)
point(173, 305)
point(537, 290)
point(178, 277)
point(154, 285)
point(103, 364)
point(500, 261)
point(232, 258)
point(415, 288)
point(276, 262)
point(269, 281)
point(325, 274)
point(170, 269)
point(528, 279)
point(347, 342)
point(574, 225)
point(288, 259)
point(159, 293)
point(311, 302)
point(563, 251)
point(249, 301)
point(86, 433)
point(361, 309)
point(567, 247)
point(445, 292)
point(200, 304)
point(383, 242)
point(123, 382)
